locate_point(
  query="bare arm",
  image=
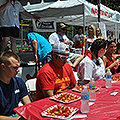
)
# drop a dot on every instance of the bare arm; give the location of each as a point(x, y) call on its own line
point(35, 49)
point(48, 93)
point(112, 65)
point(30, 15)
point(9, 118)
point(26, 99)
point(3, 7)
point(84, 40)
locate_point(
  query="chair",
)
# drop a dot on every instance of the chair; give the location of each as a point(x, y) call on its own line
point(31, 86)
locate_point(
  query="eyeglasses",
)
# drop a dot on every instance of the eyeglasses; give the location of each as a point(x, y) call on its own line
point(62, 56)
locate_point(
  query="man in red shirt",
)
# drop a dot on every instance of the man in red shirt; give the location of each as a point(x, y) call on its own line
point(57, 75)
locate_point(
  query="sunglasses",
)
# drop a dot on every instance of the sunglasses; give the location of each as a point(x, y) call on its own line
point(63, 28)
point(90, 28)
point(62, 56)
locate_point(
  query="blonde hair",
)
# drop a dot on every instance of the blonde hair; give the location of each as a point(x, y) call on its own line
point(94, 33)
point(100, 31)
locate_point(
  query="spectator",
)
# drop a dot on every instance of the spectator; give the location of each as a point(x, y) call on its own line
point(92, 66)
point(57, 75)
point(60, 36)
point(89, 39)
point(9, 18)
point(78, 38)
point(12, 89)
point(41, 46)
point(109, 59)
point(99, 33)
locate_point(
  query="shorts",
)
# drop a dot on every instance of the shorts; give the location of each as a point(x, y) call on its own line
point(10, 31)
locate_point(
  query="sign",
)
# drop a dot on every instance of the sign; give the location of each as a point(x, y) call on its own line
point(103, 29)
point(104, 13)
point(42, 26)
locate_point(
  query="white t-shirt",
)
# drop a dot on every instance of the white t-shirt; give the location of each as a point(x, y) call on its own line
point(77, 38)
point(89, 42)
point(10, 16)
point(55, 38)
point(87, 69)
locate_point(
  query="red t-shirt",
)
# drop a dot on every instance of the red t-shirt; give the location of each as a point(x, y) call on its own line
point(114, 69)
point(51, 78)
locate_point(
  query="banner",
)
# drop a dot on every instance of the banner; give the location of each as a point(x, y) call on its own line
point(103, 29)
point(42, 26)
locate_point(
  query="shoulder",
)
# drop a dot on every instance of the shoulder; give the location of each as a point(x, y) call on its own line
point(46, 68)
point(53, 34)
point(18, 80)
point(67, 65)
point(17, 2)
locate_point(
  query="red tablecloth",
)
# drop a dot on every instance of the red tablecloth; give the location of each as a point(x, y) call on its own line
point(106, 107)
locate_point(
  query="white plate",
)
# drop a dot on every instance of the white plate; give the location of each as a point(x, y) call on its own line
point(73, 111)
point(58, 95)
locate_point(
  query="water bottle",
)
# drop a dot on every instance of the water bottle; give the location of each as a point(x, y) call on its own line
point(108, 83)
point(85, 100)
point(92, 89)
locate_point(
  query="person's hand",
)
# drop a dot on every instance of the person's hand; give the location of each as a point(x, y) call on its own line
point(36, 58)
point(72, 43)
point(66, 42)
point(116, 63)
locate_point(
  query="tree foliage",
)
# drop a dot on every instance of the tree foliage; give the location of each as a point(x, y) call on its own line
point(113, 4)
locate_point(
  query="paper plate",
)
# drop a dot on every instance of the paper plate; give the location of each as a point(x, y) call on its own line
point(51, 109)
point(65, 97)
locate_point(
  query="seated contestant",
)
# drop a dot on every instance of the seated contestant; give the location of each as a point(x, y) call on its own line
point(12, 89)
point(55, 77)
point(109, 59)
point(92, 66)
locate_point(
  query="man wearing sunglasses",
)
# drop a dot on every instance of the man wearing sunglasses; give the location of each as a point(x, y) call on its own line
point(60, 36)
point(57, 75)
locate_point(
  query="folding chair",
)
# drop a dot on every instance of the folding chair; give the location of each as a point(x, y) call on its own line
point(31, 86)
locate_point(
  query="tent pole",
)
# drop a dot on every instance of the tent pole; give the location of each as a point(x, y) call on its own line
point(72, 32)
point(116, 32)
point(99, 1)
point(84, 18)
point(84, 21)
point(21, 33)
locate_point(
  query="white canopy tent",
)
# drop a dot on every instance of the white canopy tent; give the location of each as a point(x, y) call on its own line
point(75, 12)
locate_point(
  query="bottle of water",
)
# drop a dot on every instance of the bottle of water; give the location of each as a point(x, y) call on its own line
point(92, 89)
point(108, 83)
point(85, 100)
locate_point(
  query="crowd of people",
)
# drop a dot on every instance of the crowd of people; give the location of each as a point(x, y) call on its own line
point(57, 72)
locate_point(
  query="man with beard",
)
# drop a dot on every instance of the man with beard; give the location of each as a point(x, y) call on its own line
point(57, 75)
point(60, 36)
